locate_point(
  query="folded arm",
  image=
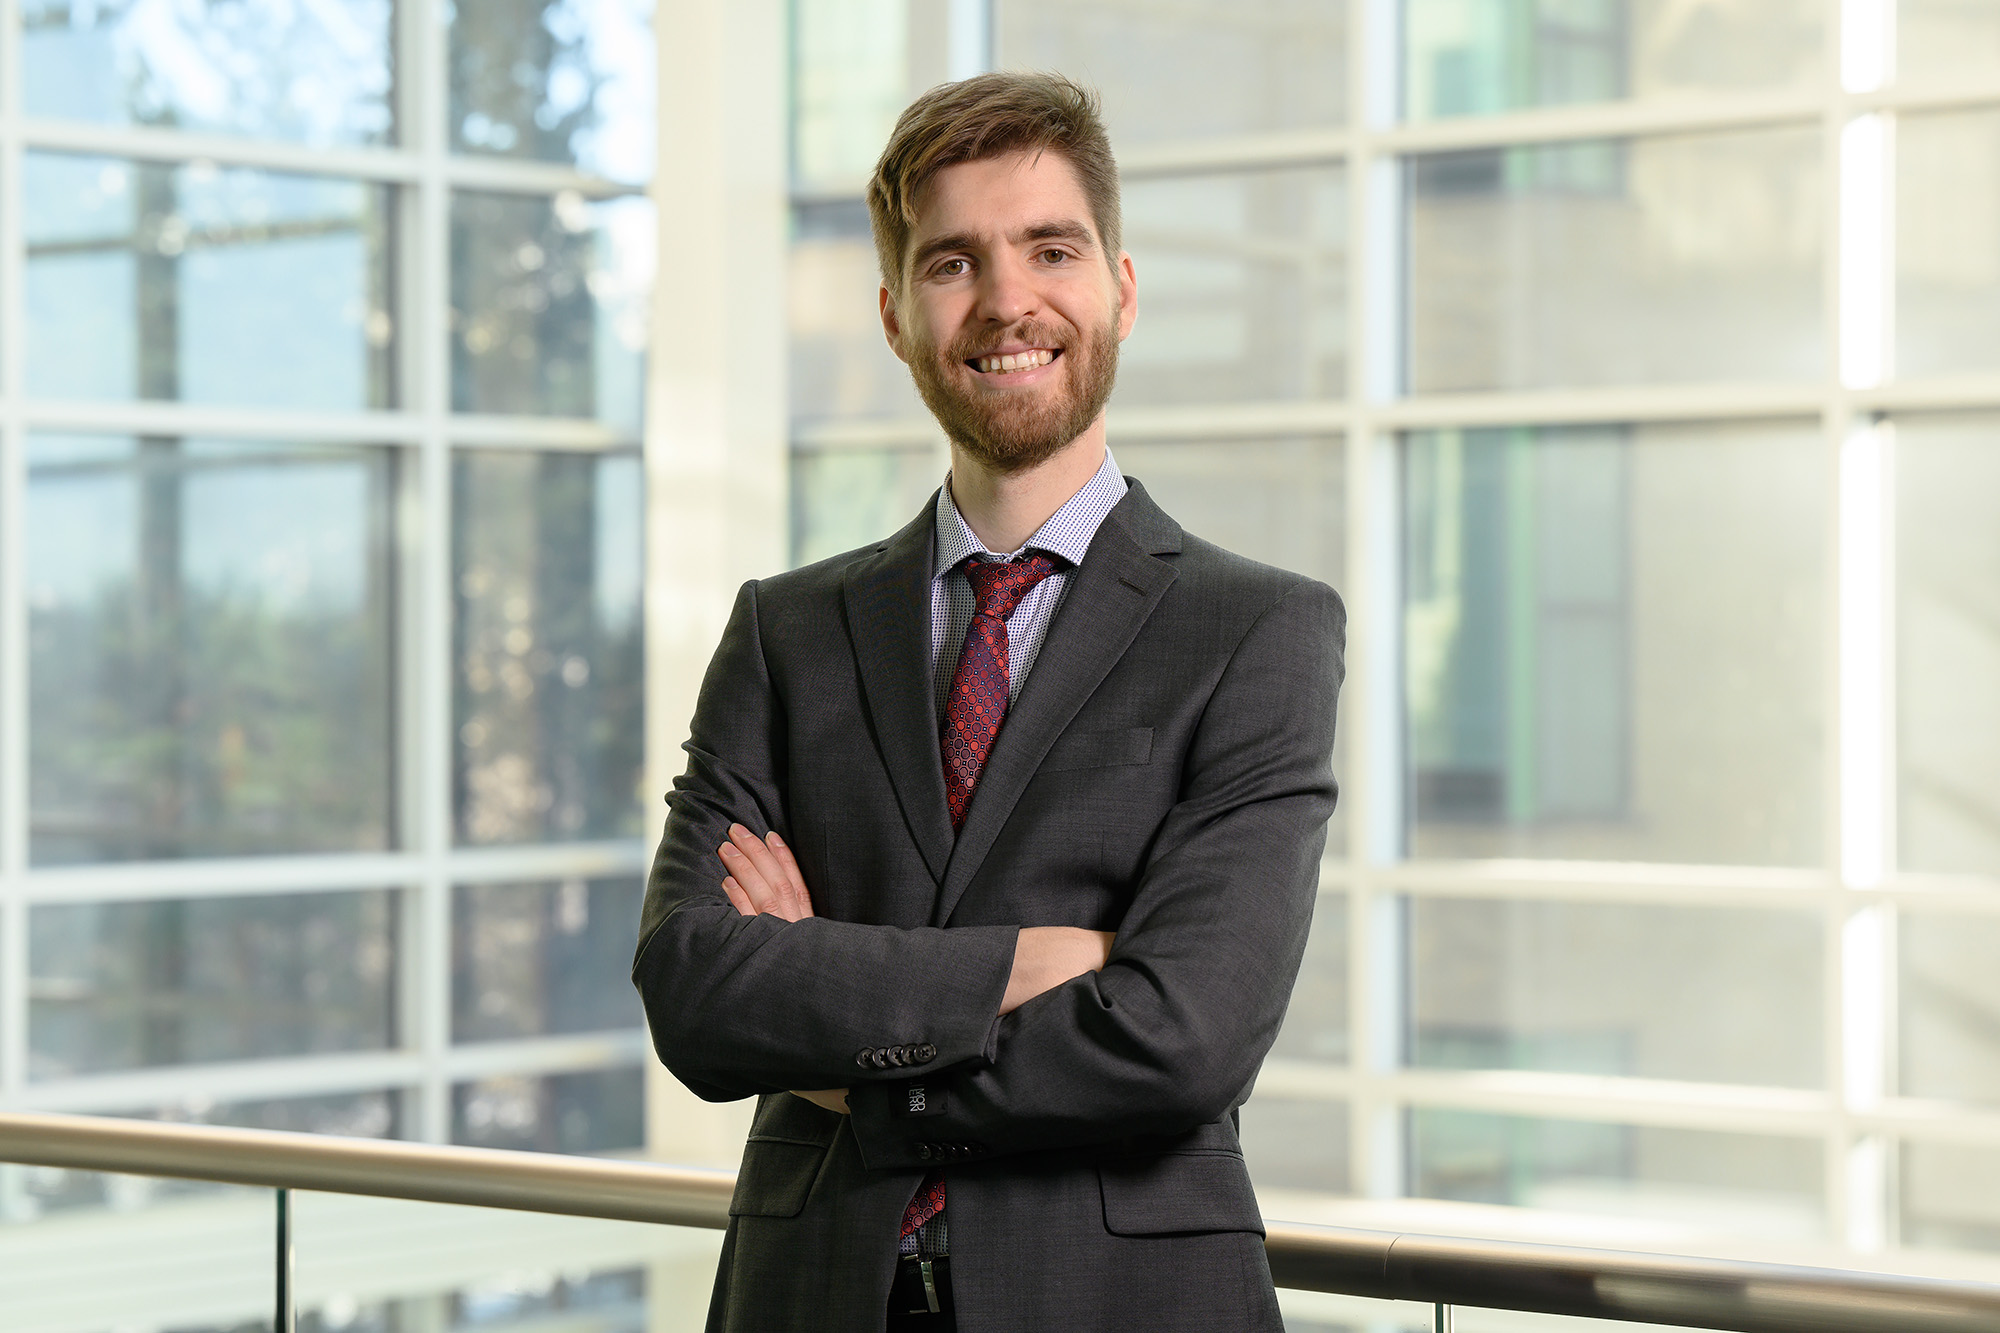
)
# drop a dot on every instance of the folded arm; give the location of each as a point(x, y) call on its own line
point(1169, 1034)
point(740, 1005)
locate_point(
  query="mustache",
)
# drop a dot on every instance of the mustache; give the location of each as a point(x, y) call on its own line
point(970, 347)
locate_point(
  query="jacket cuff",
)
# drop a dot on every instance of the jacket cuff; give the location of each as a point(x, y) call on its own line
point(957, 1022)
point(907, 1125)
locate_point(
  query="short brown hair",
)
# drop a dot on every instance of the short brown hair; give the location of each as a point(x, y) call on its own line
point(986, 116)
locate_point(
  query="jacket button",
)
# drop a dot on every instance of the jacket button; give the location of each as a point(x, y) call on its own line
point(899, 1056)
point(924, 1151)
point(926, 1053)
point(862, 1059)
point(880, 1059)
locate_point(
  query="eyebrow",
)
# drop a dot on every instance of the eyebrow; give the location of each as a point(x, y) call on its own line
point(1060, 229)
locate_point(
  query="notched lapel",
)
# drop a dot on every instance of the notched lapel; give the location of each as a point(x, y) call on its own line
point(1110, 596)
point(889, 623)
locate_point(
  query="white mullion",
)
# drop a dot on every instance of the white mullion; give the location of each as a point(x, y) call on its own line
point(184, 419)
point(147, 144)
point(429, 711)
point(14, 959)
point(1377, 953)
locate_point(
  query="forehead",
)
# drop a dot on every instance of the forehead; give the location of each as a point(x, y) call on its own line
point(992, 197)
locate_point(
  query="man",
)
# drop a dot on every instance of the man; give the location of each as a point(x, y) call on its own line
point(993, 863)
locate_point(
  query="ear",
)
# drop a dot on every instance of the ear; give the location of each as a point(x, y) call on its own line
point(1128, 296)
point(892, 324)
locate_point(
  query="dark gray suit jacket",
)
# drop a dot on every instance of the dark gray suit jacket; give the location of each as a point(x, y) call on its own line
point(1165, 774)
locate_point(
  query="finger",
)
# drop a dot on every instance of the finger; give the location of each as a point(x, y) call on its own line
point(790, 866)
point(737, 898)
point(762, 895)
point(752, 848)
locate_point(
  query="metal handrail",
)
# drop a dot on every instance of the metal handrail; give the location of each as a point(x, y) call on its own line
point(1545, 1279)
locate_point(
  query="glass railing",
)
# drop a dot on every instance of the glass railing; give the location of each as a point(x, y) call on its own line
point(309, 1175)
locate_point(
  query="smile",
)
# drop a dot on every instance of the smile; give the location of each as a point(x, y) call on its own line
point(1032, 359)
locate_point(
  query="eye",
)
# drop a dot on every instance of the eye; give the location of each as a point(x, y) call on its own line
point(951, 268)
point(1054, 256)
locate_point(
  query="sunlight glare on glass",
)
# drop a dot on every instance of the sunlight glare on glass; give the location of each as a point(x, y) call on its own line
point(1863, 651)
point(1864, 252)
point(1867, 28)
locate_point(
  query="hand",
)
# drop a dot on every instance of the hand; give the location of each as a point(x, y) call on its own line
point(1047, 956)
point(833, 1099)
point(763, 878)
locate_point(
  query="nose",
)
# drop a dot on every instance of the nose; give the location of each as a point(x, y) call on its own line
point(1006, 291)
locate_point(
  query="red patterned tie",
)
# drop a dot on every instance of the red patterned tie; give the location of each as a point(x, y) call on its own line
point(979, 688)
point(973, 713)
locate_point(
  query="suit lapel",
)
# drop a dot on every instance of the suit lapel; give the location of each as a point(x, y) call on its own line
point(889, 622)
point(1109, 597)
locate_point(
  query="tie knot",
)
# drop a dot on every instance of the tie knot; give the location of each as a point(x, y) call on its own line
point(999, 585)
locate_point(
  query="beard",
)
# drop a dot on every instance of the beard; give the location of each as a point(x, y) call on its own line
point(1013, 432)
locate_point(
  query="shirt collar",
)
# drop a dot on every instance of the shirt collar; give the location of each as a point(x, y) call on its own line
point(1067, 533)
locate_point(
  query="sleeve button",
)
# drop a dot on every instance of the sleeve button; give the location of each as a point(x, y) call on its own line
point(862, 1058)
point(926, 1053)
point(924, 1151)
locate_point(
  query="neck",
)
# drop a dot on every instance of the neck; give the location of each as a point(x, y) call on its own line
point(1004, 509)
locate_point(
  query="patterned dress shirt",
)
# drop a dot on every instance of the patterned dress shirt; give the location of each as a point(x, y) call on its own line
point(1067, 533)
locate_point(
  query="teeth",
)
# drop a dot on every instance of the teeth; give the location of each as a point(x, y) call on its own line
point(1000, 365)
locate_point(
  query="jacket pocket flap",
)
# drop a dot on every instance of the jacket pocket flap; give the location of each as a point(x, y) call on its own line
point(776, 1177)
point(1099, 749)
point(1176, 1192)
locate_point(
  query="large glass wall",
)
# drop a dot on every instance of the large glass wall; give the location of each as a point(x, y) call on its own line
point(320, 552)
point(1629, 366)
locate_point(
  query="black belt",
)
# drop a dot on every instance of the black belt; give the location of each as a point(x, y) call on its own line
point(921, 1286)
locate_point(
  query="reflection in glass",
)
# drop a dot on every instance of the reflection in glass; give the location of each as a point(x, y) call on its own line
point(844, 498)
point(209, 653)
point(205, 284)
point(1244, 285)
point(1612, 642)
point(555, 81)
point(1295, 1144)
point(549, 305)
point(1948, 243)
point(1948, 643)
point(1475, 57)
point(1948, 1007)
point(1316, 1024)
point(536, 960)
point(1690, 257)
point(1948, 1195)
point(1257, 65)
point(1946, 42)
point(600, 1110)
point(547, 686)
point(1600, 988)
point(841, 365)
point(183, 981)
point(1732, 1184)
point(850, 80)
point(313, 73)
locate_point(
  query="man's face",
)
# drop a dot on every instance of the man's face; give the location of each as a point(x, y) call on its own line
point(1010, 318)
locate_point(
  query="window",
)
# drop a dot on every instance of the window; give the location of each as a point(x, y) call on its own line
point(1667, 742)
point(320, 566)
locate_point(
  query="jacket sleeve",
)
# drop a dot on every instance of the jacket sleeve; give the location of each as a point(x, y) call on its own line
point(1169, 1036)
point(741, 1005)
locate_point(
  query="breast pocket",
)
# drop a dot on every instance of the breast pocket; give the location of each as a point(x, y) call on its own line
point(1174, 1192)
point(1099, 749)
